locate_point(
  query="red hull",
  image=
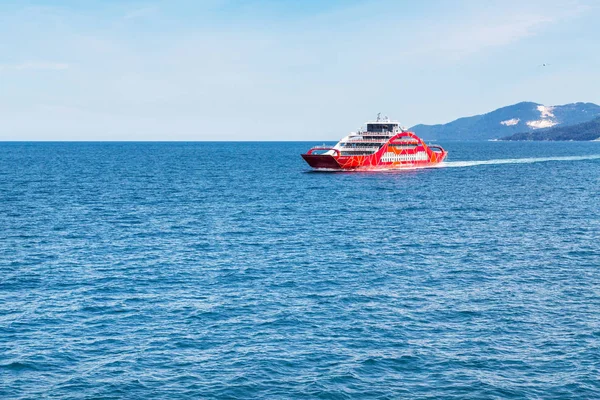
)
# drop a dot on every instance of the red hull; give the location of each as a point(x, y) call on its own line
point(390, 156)
point(321, 161)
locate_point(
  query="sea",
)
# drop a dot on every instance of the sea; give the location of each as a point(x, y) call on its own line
point(232, 271)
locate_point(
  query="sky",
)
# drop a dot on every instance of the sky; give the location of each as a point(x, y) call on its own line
point(282, 70)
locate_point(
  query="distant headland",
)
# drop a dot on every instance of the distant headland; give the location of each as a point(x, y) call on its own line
point(586, 131)
point(522, 121)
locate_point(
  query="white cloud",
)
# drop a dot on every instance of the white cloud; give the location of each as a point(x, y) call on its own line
point(143, 12)
point(41, 66)
point(479, 35)
point(489, 26)
point(156, 70)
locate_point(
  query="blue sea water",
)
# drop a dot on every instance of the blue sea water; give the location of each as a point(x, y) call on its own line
point(230, 270)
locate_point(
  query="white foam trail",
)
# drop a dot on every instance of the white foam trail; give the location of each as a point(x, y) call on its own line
point(461, 164)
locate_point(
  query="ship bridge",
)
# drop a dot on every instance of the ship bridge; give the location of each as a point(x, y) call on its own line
point(383, 125)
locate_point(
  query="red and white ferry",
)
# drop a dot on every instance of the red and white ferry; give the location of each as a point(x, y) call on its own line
point(383, 145)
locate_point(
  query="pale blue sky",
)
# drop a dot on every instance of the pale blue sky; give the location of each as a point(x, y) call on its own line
point(282, 70)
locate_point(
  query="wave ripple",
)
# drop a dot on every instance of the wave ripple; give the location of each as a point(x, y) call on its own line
point(212, 270)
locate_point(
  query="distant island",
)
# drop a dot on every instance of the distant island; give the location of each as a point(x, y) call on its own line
point(532, 121)
point(582, 132)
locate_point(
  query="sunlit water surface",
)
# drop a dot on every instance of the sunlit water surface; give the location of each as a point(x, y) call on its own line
point(213, 270)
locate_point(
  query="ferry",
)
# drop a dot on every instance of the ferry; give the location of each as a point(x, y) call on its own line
point(383, 145)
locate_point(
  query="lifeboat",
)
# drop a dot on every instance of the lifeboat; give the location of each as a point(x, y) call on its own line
point(382, 145)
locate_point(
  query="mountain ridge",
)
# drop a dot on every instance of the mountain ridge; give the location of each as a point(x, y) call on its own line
point(521, 117)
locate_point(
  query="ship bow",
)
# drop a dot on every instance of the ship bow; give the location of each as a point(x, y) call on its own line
point(321, 161)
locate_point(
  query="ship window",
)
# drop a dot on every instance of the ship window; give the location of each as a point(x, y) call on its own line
point(380, 127)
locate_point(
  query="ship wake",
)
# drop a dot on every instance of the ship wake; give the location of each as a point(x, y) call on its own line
point(462, 164)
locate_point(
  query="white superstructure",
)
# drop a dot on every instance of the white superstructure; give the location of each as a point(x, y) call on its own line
point(368, 141)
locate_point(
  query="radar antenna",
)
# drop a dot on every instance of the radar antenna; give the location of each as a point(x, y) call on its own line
point(378, 116)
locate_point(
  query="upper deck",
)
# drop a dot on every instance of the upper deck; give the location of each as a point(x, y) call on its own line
point(382, 125)
point(369, 140)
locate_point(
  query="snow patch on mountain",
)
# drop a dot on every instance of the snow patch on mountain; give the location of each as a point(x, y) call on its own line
point(510, 122)
point(542, 123)
point(546, 111)
point(548, 119)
